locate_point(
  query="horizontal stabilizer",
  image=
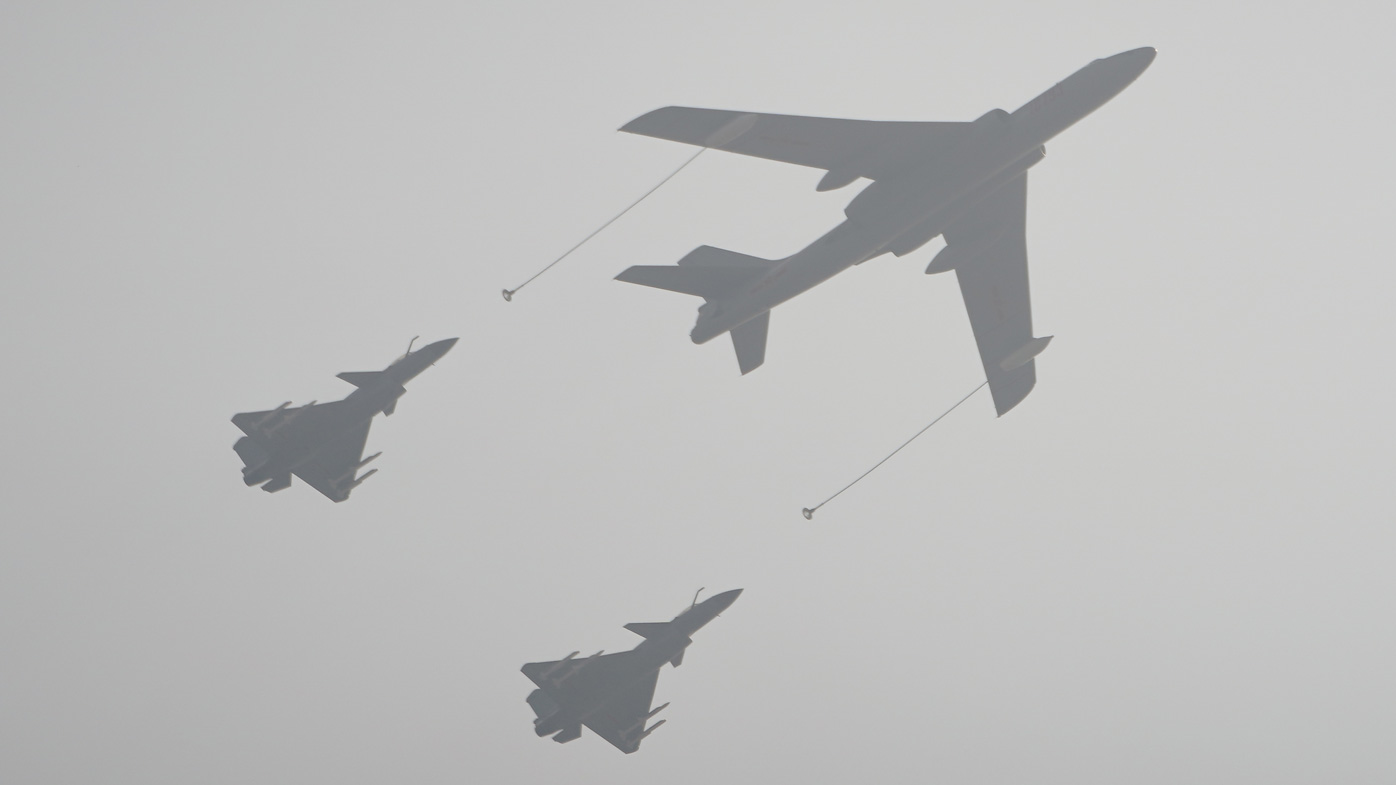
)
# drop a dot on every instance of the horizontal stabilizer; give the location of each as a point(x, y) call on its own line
point(648, 629)
point(749, 339)
point(361, 378)
point(710, 283)
point(710, 256)
point(706, 272)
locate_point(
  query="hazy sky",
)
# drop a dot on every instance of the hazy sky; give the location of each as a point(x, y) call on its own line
point(1170, 564)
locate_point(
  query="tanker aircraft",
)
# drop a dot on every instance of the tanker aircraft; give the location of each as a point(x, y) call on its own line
point(324, 444)
point(611, 693)
point(966, 181)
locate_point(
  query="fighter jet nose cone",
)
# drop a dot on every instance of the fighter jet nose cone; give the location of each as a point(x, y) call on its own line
point(1139, 59)
point(1135, 60)
point(726, 598)
point(441, 347)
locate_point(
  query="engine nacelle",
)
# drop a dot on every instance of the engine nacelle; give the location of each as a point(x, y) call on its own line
point(952, 256)
point(836, 178)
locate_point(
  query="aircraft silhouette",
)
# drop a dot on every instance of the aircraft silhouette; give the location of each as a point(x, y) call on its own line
point(611, 693)
point(323, 444)
point(967, 181)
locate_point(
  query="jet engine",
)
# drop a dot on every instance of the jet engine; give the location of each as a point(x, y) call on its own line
point(952, 256)
point(836, 178)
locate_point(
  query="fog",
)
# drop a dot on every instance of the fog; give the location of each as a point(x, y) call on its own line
point(1170, 563)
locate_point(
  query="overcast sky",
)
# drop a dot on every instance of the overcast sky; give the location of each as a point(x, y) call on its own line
point(1170, 564)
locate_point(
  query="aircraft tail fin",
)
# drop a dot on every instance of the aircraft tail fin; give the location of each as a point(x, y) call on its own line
point(542, 705)
point(706, 272)
point(250, 452)
point(361, 378)
point(749, 339)
point(648, 629)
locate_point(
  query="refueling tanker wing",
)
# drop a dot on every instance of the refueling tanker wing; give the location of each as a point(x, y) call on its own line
point(987, 249)
point(848, 149)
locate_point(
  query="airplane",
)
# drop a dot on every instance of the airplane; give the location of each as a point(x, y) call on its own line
point(324, 444)
point(966, 181)
point(611, 693)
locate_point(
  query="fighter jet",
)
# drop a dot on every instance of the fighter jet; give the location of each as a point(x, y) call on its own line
point(324, 444)
point(611, 693)
point(966, 181)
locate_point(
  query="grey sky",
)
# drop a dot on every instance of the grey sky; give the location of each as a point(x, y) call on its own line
point(1171, 563)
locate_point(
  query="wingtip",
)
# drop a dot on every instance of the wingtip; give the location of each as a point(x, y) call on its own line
point(633, 124)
